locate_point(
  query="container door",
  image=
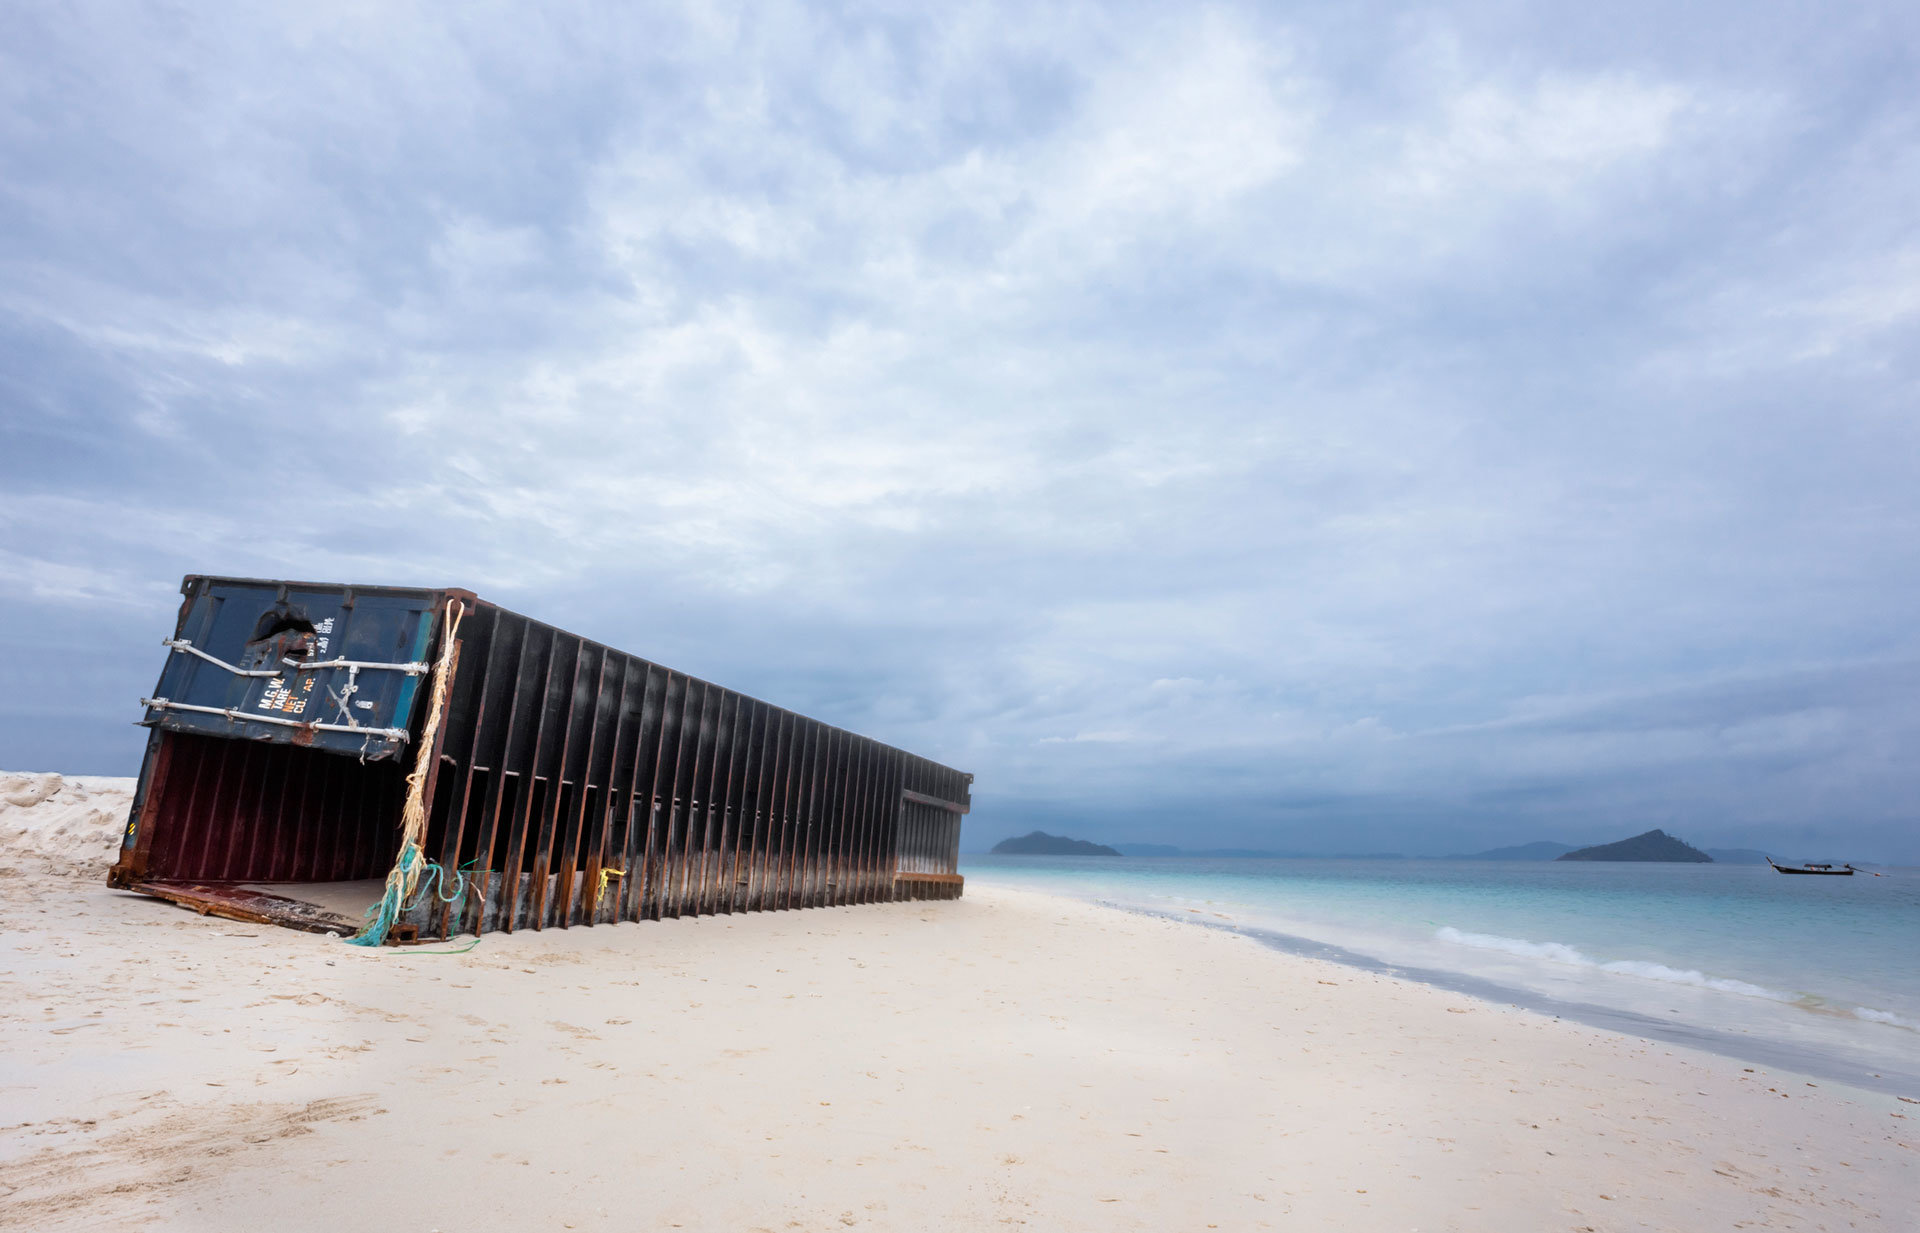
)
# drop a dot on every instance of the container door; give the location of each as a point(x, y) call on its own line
point(328, 667)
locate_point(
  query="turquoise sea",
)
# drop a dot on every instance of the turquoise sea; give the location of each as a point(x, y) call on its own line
point(1818, 975)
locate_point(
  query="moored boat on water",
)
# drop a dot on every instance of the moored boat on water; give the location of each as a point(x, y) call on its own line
point(1842, 871)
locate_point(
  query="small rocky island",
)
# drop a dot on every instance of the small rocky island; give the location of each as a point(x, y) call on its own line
point(1655, 845)
point(1039, 843)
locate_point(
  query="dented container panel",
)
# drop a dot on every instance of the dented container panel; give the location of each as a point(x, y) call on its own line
point(337, 668)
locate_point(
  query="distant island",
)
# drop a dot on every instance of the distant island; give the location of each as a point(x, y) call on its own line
point(1655, 845)
point(1039, 843)
point(1550, 850)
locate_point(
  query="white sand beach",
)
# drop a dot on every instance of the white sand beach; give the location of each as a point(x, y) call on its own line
point(1008, 1059)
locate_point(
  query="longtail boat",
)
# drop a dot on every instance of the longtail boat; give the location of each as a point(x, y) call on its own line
point(1843, 871)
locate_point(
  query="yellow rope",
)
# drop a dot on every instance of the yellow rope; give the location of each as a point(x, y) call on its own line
point(602, 892)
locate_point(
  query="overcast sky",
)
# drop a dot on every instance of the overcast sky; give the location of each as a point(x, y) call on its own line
point(1328, 427)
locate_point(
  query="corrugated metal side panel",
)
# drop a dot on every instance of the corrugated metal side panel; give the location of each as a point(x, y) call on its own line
point(581, 785)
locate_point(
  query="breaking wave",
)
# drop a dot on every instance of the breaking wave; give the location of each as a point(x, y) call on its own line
point(1560, 952)
point(1885, 1016)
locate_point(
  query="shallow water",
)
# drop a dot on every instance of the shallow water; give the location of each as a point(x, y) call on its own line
point(1818, 974)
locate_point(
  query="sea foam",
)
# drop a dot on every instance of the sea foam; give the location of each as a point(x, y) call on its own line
point(1560, 952)
point(1885, 1016)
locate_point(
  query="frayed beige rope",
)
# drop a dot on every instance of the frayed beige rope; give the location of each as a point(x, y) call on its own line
point(404, 878)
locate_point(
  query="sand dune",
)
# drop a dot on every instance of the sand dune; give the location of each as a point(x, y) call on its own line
point(1004, 1060)
point(63, 824)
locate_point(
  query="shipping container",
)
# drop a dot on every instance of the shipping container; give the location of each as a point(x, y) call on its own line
point(564, 783)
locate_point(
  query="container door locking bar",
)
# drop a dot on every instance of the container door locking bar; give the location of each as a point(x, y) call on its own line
point(162, 704)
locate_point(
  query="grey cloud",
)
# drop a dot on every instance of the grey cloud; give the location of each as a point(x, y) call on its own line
point(1428, 427)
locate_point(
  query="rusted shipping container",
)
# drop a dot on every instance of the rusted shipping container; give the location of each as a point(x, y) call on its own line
point(567, 783)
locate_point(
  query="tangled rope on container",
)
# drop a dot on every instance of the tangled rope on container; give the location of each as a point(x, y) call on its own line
point(605, 874)
point(412, 862)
